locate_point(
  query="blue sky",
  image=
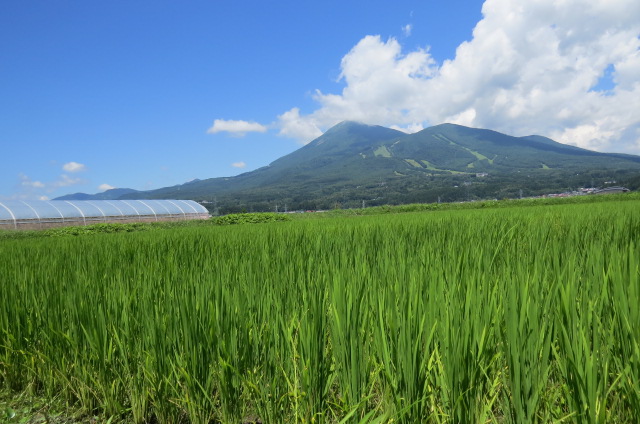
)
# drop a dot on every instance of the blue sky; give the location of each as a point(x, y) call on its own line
point(147, 94)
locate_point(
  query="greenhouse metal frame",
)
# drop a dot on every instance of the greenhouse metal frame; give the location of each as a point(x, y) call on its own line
point(36, 214)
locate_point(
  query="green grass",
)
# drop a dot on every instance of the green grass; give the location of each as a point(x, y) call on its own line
point(230, 219)
point(413, 163)
point(515, 314)
point(382, 151)
point(478, 155)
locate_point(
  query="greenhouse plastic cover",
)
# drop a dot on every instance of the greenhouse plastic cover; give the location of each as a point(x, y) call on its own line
point(18, 210)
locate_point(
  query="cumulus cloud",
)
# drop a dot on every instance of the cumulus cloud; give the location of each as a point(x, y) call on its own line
point(73, 167)
point(530, 68)
point(383, 87)
point(239, 164)
point(238, 128)
point(406, 30)
point(105, 187)
point(300, 128)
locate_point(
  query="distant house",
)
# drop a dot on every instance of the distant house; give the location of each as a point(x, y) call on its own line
point(481, 174)
point(611, 190)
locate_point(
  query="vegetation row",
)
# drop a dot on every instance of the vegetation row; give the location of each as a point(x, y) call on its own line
point(515, 315)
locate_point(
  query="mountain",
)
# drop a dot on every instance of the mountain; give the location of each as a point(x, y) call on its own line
point(462, 149)
point(113, 194)
point(352, 163)
point(333, 158)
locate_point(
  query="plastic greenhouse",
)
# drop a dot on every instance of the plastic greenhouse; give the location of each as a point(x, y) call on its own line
point(18, 214)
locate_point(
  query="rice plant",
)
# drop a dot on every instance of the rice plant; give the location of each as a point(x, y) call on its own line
point(523, 315)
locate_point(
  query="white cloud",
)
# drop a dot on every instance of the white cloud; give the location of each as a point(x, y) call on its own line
point(406, 30)
point(409, 129)
point(43, 198)
point(25, 181)
point(530, 68)
point(466, 117)
point(105, 187)
point(74, 167)
point(27, 189)
point(383, 87)
point(34, 189)
point(239, 164)
point(238, 128)
point(65, 181)
point(294, 126)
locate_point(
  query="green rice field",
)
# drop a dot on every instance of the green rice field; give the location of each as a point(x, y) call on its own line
point(499, 315)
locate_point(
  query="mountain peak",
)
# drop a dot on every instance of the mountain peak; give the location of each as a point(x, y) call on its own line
point(347, 126)
point(359, 130)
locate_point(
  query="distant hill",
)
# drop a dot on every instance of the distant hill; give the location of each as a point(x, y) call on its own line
point(113, 194)
point(352, 163)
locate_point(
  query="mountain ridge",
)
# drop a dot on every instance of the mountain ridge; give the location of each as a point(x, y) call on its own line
point(111, 194)
point(353, 159)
